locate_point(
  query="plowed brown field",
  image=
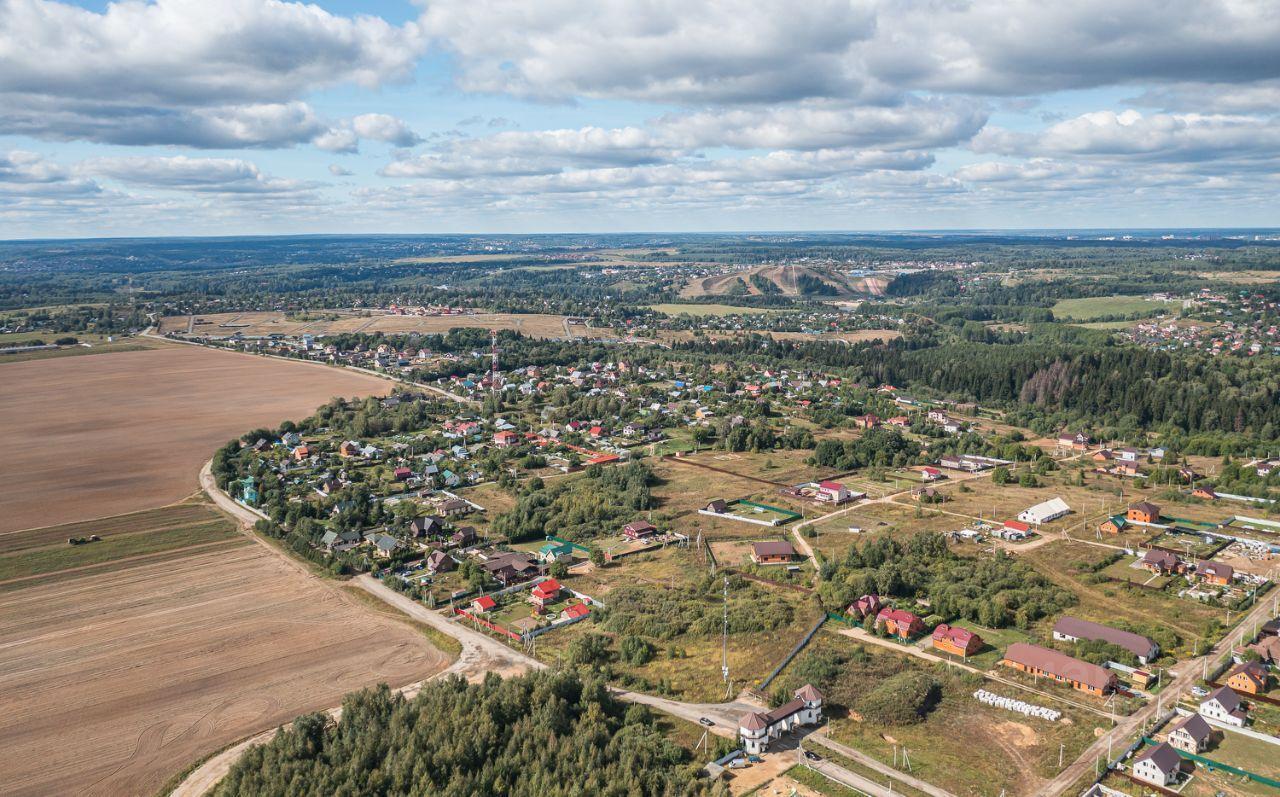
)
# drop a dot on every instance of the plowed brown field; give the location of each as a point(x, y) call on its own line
point(117, 677)
point(87, 437)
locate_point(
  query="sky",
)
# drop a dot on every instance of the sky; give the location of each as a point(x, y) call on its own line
point(216, 117)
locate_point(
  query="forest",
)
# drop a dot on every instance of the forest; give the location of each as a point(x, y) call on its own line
point(545, 734)
point(996, 592)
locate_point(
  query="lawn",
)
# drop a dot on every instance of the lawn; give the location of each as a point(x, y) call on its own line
point(1254, 755)
point(1095, 307)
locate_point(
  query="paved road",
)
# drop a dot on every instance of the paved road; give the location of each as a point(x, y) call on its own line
point(820, 738)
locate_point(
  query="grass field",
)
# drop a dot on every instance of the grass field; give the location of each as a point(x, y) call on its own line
point(115, 678)
point(708, 309)
point(1093, 307)
point(94, 436)
point(693, 674)
point(1015, 753)
point(1105, 602)
point(26, 555)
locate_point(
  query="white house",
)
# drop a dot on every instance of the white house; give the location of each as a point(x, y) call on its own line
point(757, 729)
point(833, 492)
point(1045, 512)
point(1159, 765)
point(1223, 705)
point(1191, 735)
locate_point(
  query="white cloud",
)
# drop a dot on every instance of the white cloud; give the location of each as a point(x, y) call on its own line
point(339, 171)
point(205, 73)
point(536, 152)
point(913, 124)
point(197, 175)
point(1130, 135)
point(743, 51)
point(31, 175)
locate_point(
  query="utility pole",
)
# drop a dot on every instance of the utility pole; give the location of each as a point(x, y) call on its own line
point(724, 644)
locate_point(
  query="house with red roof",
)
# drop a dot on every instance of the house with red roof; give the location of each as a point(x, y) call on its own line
point(832, 492)
point(866, 606)
point(483, 604)
point(956, 640)
point(639, 530)
point(577, 611)
point(506, 439)
point(545, 592)
point(900, 623)
point(1015, 530)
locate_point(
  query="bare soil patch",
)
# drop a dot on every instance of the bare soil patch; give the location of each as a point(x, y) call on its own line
point(112, 682)
point(97, 436)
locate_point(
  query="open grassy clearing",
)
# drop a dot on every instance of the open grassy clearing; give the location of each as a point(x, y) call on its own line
point(1016, 753)
point(687, 666)
point(57, 556)
point(115, 347)
point(1106, 602)
point(135, 523)
point(1092, 307)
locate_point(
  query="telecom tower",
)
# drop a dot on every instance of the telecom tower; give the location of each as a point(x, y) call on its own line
point(493, 367)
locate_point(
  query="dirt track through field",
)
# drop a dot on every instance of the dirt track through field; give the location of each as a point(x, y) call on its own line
point(113, 433)
point(112, 682)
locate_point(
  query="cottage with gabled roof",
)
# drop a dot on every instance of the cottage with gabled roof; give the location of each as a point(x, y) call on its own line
point(1249, 678)
point(956, 640)
point(544, 593)
point(758, 729)
point(1191, 735)
point(900, 623)
point(1161, 563)
point(867, 605)
point(1160, 765)
point(639, 530)
point(1223, 705)
point(1216, 573)
point(772, 552)
point(1143, 512)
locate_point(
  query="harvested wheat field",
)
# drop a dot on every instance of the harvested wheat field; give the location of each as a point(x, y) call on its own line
point(327, 322)
point(93, 436)
point(114, 679)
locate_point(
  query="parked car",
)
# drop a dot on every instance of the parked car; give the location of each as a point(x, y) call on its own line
point(812, 756)
point(705, 721)
point(1199, 691)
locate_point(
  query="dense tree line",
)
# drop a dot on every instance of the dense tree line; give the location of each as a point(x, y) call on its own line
point(995, 592)
point(546, 734)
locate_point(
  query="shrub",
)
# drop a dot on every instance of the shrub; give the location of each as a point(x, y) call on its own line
point(902, 699)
